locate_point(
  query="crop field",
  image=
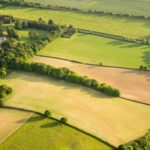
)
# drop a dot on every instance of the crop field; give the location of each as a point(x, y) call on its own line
point(38, 130)
point(134, 7)
point(111, 119)
point(95, 49)
point(113, 25)
point(10, 121)
point(133, 84)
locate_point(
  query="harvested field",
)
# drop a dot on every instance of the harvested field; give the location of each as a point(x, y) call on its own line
point(133, 84)
point(10, 121)
point(111, 119)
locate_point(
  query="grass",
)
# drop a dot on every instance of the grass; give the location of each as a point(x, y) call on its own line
point(94, 49)
point(10, 121)
point(111, 119)
point(24, 34)
point(114, 25)
point(134, 7)
point(49, 134)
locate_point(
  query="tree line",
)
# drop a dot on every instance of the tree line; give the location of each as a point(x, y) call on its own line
point(142, 143)
point(63, 74)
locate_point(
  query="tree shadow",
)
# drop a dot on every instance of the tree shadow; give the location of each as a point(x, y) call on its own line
point(51, 125)
point(36, 118)
point(146, 57)
point(28, 76)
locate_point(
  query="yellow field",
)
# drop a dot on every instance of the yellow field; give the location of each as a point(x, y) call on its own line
point(112, 119)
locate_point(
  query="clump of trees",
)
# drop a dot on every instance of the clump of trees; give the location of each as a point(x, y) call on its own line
point(64, 74)
point(142, 143)
point(4, 92)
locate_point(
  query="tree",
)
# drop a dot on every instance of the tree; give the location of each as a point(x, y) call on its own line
point(18, 24)
point(3, 72)
point(47, 113)
point(63, 120)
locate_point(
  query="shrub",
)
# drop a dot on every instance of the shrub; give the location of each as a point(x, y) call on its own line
point(63, 120)
point(1, 102)
point(47, 113)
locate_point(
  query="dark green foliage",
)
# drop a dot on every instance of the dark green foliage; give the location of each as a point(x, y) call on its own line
point(63, 74)
point(3, 72)
point(142, 143)
point(47, 113)
point(4, 92)
point(63, 120)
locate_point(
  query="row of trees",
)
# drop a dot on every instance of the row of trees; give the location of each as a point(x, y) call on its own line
point(62, 30)
point(64, 74)
point(39, 5)
point(142, 143)
point(4, 92)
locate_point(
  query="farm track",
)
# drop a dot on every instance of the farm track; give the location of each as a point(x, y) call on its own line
point(133, 84)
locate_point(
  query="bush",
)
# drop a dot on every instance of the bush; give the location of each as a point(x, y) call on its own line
point(47, 113)
point(1, 102)
point(63, 120)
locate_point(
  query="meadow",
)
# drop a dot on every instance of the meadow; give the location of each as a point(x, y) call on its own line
point(113, 25)
point(111, 119)
point(10, 121)
point(47, 133)
point(24, 34)
point(134, 7)
point(95, 49)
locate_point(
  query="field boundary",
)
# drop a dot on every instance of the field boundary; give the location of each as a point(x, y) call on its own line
point(67, 124)
point(15, 129)
point(112, 36)
point(84, 63)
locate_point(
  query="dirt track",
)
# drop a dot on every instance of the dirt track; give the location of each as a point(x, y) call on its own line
point(132, 84)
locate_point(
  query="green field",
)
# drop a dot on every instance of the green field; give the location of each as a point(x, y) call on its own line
point(133, 7)
point(41, 134)
point(95, 49)
point(111, 119)
point(113, 25)
point(25, 37)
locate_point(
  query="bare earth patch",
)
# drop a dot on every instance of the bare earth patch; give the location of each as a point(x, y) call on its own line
point(10, 121)
point(132, 84)
point(114, 120)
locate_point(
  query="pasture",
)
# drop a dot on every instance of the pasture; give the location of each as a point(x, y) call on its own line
point(134, 7)
point(10, 121)
point(133, 84)
point(47, 133)
point(95, 49)
point(24, 34)
point(135, 28)
point(111, 119)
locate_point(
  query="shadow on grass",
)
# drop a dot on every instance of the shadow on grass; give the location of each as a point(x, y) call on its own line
point(33, 77)
point(51, 125)
point(36, 118)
